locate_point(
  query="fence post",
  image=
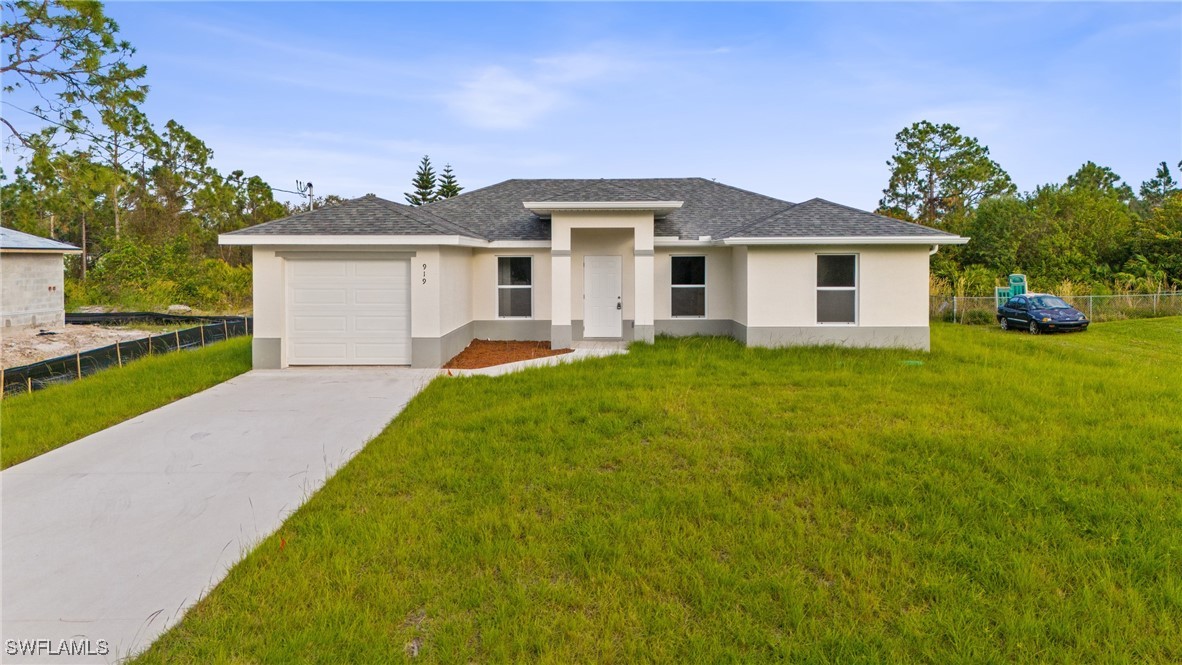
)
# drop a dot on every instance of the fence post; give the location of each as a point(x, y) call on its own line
point(118, 353)
point(29, 384)
point(78, 363)
point(177, 332)
point(225, 329)
point(149, 345)
point(1090, 308)
point(202, 329)
point(954, 309)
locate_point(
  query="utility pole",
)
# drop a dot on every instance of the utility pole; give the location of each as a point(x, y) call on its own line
point(306, 188)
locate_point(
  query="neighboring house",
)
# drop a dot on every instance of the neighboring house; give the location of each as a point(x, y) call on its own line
point(370, 281)
point(32, 279)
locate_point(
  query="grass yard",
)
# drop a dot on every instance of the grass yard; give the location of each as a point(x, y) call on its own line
point(35, 423)
point(1006, 498)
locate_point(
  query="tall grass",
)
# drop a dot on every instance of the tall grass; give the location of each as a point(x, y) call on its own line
point(1006, 498)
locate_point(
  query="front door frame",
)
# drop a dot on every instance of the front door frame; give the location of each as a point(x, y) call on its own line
point(610, 327)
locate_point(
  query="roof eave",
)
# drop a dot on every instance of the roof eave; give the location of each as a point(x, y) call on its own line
point(546, 208)
point(238, 239)
point(39, 250)
point(849, 240)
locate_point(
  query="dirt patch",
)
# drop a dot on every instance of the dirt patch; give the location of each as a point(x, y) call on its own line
point(486, 353)
point(21, 347)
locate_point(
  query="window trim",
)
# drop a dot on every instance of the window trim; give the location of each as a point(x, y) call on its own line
point(497, 286)
point(705, 291)
point(856, 288)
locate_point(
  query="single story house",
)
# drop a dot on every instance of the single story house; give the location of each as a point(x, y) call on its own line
point(370, 281)
point(32, 279)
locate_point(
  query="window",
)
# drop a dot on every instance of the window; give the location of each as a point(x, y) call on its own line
point(837, 291)
point(689, 286)
point(515, 287)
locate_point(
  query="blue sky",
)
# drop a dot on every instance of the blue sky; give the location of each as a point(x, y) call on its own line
point(790, 99)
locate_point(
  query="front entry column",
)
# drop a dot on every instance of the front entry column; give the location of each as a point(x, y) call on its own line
point(644, 328)
point(560, 290)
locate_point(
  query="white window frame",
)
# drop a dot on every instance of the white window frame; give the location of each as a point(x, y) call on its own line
point(499, 286)
point(855, 288)
point(705, 291)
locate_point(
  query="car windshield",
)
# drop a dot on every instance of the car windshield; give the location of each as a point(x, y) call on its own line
point(1048, 302)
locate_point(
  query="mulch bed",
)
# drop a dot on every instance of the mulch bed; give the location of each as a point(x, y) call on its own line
point(486, 353)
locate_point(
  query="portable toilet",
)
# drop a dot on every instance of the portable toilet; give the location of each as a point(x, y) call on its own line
point(1017, 285)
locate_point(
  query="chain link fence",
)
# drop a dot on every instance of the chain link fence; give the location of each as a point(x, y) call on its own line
point(983, 309)
point(65, 369)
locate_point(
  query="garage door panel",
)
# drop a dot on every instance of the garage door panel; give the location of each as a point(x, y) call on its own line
point(319, 269)
point(388, 269)
point(343, 312)
point(319, 324)
point(368, 351)
point(315, 353)
point(304, 295)
point(366, 324)
point(379, 296)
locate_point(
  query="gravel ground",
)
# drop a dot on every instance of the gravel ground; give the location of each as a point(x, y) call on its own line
point(21, 347)
point(486, 353)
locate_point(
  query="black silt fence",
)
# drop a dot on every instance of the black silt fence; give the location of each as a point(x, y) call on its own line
point(65, 369)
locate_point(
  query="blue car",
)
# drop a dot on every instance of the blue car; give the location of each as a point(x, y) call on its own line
point(1040, 313)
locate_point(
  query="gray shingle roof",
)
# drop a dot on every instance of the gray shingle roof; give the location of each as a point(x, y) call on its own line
point(710, 208)
point(13, 239)
point(497, 212)
point(368, 215)
point(821, 218)
point(601, 190)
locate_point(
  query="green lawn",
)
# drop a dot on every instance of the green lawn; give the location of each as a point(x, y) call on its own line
point(37, 422)
point(1006, 498)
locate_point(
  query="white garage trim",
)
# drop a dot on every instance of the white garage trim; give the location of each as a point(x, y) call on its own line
point(348, 311)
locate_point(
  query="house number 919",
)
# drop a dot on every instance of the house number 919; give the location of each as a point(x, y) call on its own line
point(424, 273)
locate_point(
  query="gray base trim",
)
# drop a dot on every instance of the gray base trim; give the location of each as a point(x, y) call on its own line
point(533, 330)
point(907, 337)
point(739, 331)
point(643, 333)
point(628, 330)
point(687, 327)
point(266, 353)
point(428, 352)
point(560, 337)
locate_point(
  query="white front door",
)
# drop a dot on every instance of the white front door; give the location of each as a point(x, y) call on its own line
point(603, 306)
point(348, 312)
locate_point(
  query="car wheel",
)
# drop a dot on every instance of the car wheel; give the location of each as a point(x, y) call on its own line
point(1034, 328)
point(1003, 322)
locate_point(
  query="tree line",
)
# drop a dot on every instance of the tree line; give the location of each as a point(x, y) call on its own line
point(146, 204)
point(1091, 233)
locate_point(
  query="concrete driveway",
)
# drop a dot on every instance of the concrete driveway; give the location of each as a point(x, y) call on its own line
point(114, 536)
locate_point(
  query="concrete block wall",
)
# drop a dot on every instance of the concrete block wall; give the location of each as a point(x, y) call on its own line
point(32, 290)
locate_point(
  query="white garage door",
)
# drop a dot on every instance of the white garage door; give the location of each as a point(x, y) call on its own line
point(348, 312)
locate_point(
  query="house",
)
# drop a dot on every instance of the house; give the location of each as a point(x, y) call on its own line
point(32, 279)
point(370, 281)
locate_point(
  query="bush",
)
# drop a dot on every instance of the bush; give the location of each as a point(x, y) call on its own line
point(151, 277)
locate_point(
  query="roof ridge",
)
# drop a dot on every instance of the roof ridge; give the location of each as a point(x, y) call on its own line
point(868, 212)
point(737, 189)
point(417, 211)
point(591, 182)
point(756, 222)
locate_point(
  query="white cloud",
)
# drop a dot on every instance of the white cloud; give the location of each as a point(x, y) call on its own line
point(496, 98)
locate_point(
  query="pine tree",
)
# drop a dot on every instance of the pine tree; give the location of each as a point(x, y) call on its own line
point(424, 184)
point(448, 185)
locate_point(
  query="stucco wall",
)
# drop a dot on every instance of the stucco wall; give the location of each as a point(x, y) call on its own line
point(33, 289)
point(720, 287)
point(484, 282)
point(892, 285)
